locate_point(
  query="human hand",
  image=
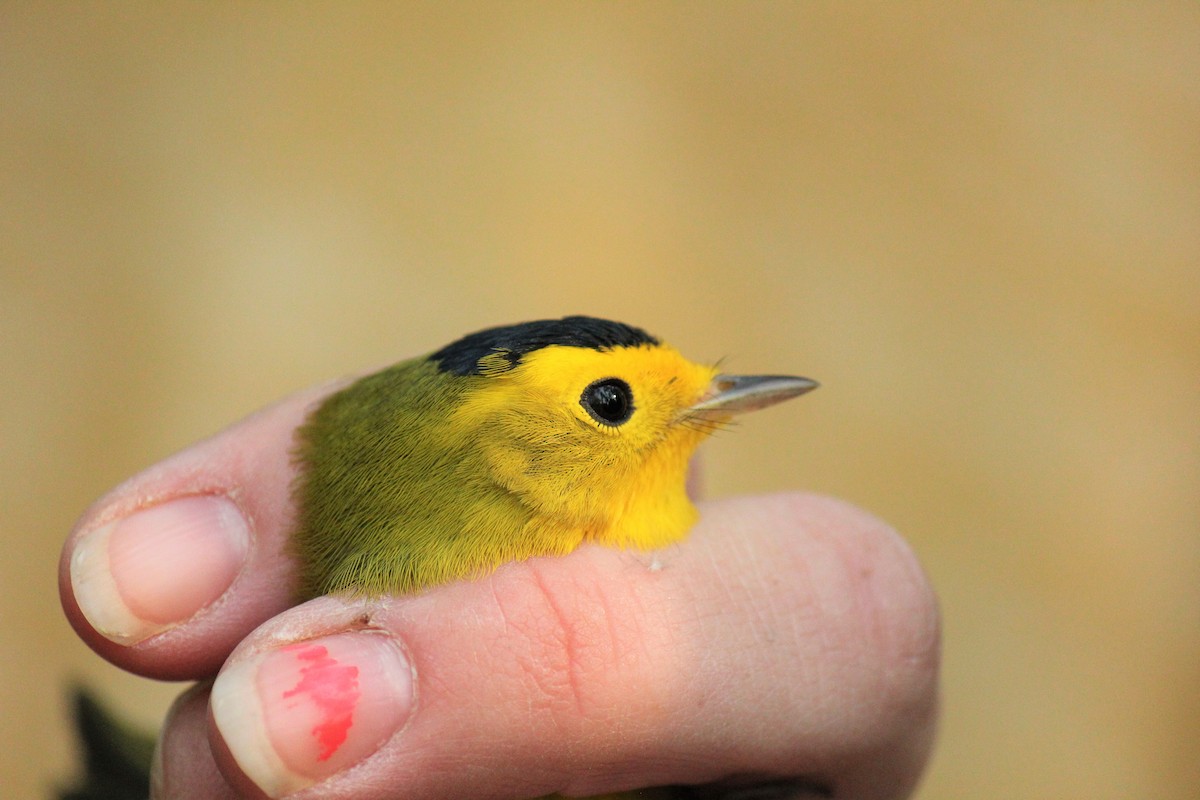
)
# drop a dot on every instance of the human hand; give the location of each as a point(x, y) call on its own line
point(790, 636)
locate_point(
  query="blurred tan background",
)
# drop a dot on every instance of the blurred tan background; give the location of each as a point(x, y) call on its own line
point(979, 228)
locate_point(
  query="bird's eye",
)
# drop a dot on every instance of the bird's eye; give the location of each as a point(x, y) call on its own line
point(608, 400)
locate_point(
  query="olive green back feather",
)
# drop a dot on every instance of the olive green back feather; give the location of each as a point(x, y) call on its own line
point(393, 497)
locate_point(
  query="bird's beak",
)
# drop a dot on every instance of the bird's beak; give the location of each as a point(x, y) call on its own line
point(734, 394)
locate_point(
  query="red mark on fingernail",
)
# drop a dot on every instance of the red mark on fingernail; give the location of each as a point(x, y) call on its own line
point(333, 688)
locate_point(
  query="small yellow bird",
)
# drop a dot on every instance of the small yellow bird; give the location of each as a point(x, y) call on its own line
point(512, 442)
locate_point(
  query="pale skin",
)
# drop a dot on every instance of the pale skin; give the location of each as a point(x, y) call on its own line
point(790, 636)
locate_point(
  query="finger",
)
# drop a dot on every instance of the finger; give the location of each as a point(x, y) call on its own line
point(181, 769)
point(168, 571)
point(790, 636)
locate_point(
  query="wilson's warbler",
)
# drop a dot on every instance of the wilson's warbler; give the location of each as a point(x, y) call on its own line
point(512, 442)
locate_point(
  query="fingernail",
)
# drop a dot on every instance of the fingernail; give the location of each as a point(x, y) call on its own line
point(295, 716)
point(158, 567)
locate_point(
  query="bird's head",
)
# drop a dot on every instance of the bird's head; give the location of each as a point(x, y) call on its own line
point(592, 423)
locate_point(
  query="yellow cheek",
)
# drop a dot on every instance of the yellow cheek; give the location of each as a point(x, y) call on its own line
point(540, 444)
point(663, 384)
